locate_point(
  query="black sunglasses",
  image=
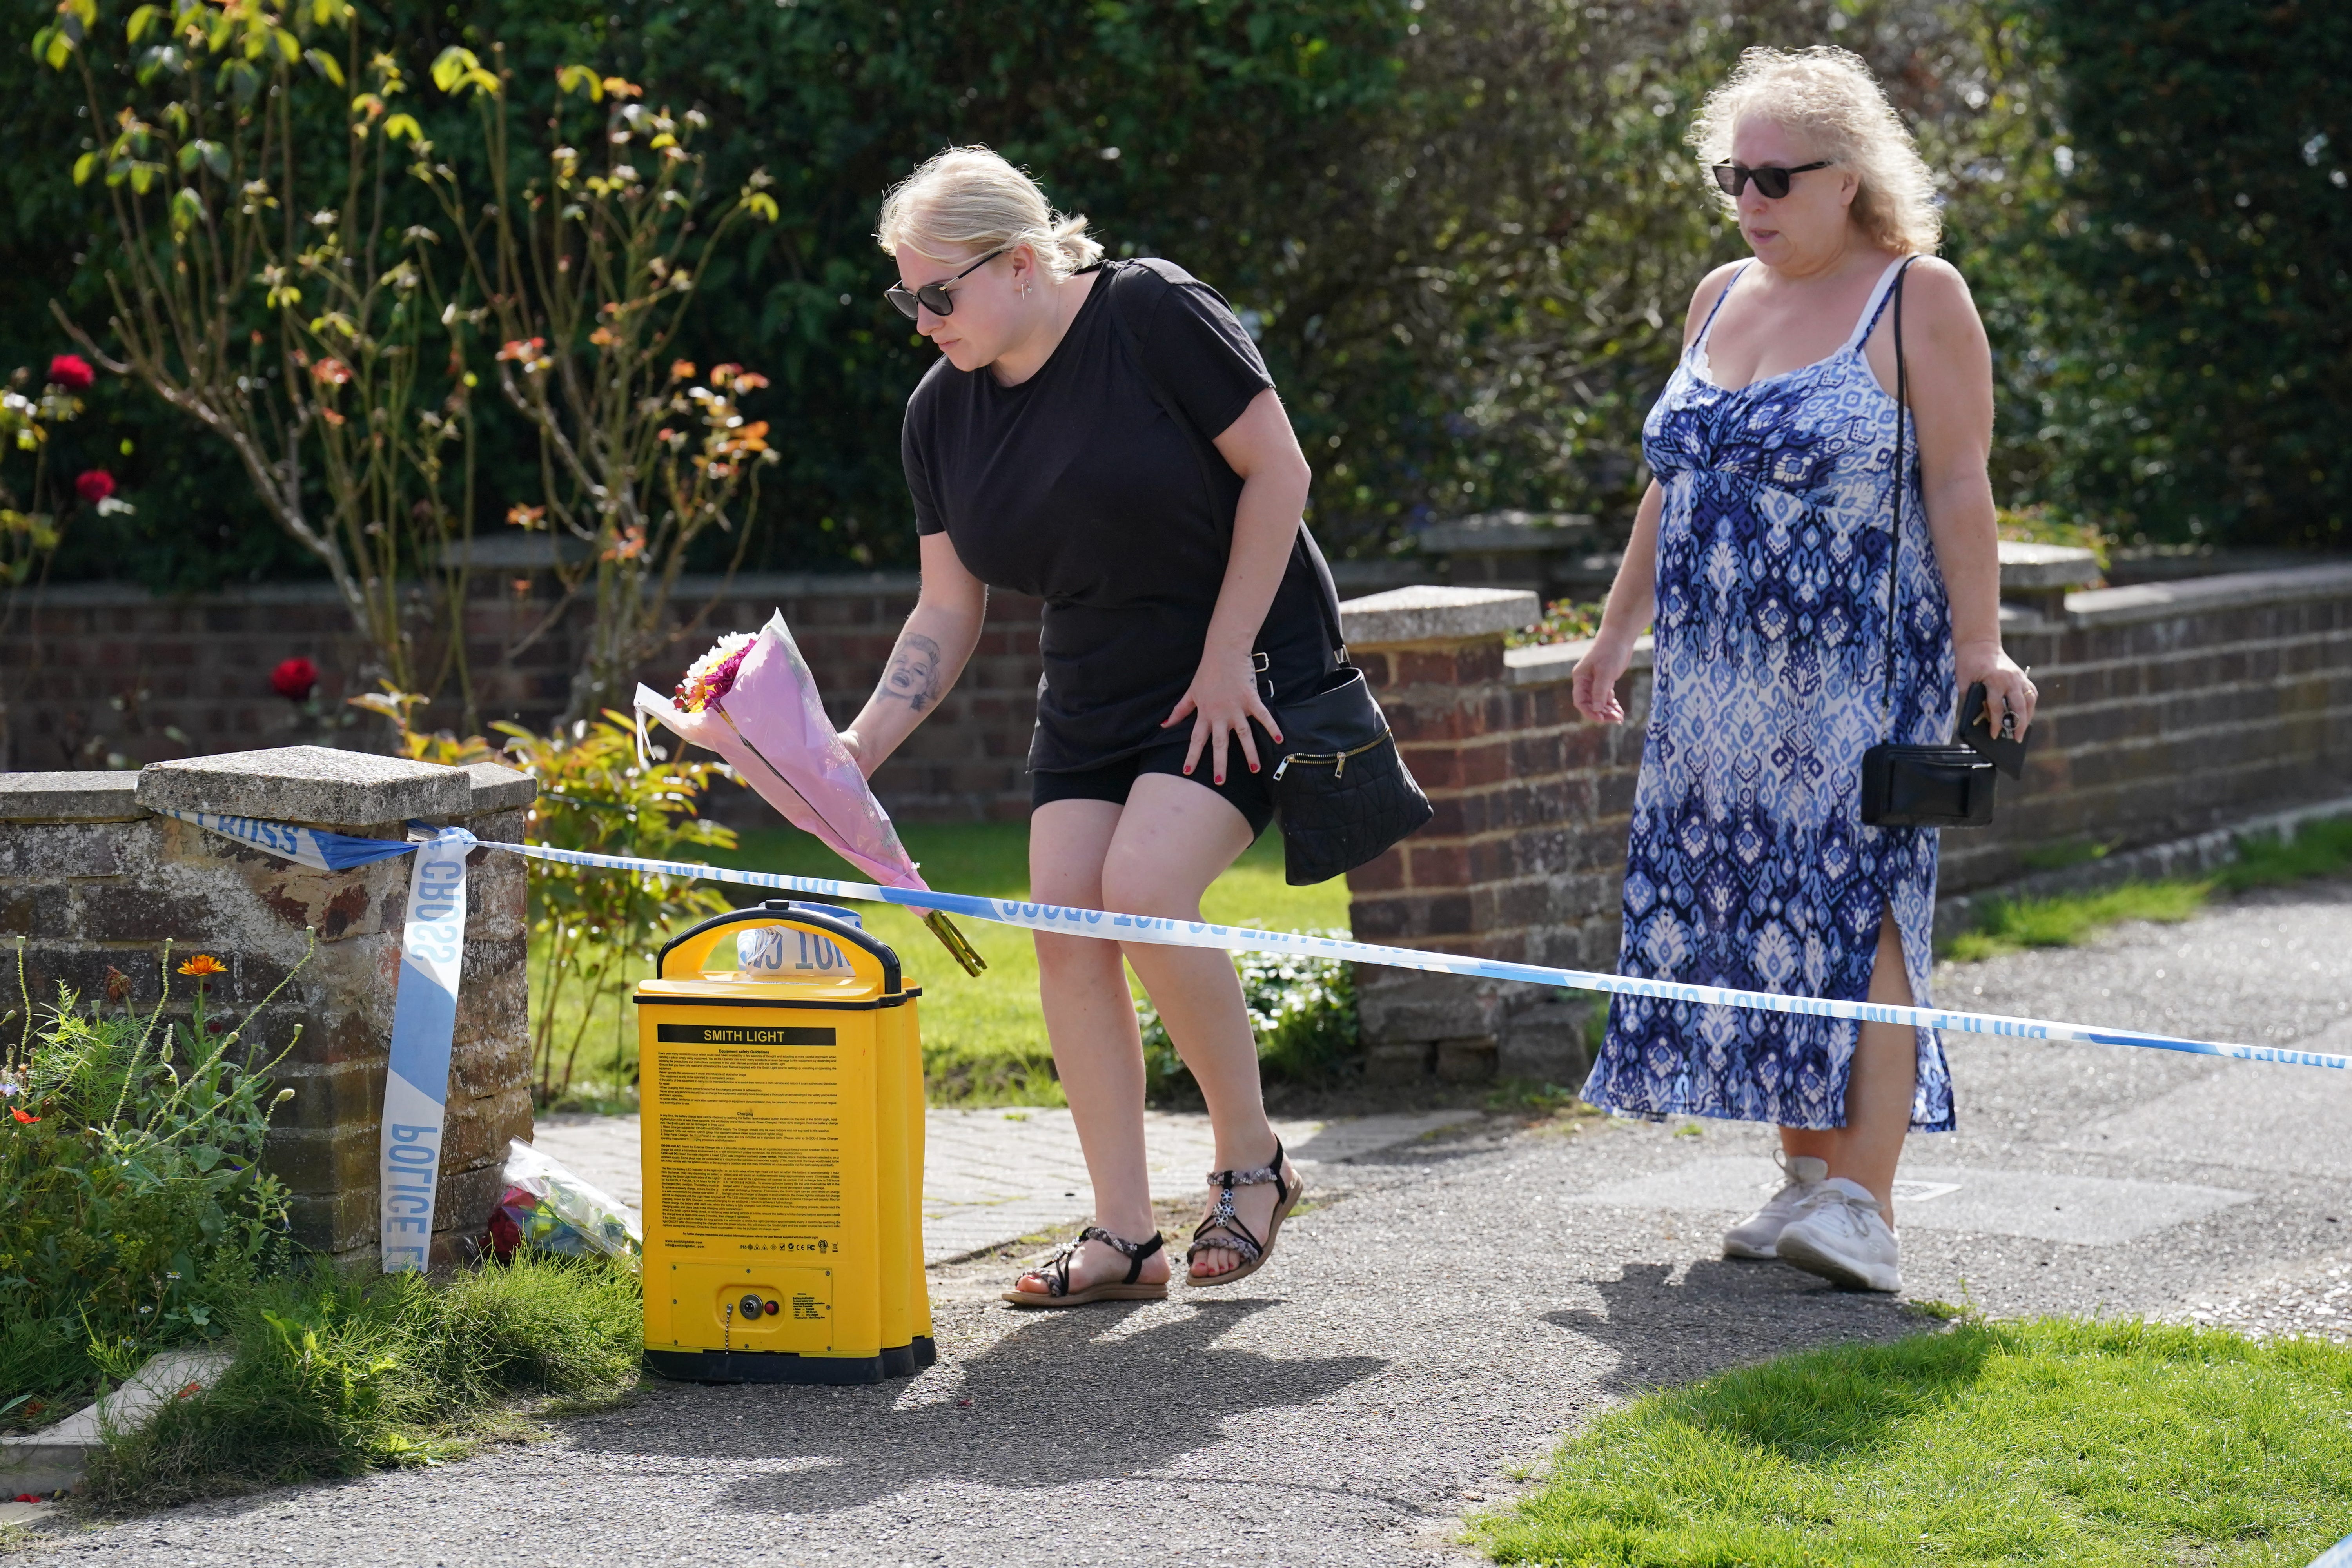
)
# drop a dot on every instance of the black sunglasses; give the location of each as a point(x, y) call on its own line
point(933, 296)
point(1772, 182)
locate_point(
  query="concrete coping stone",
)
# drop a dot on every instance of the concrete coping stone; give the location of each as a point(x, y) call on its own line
point(1548, 664)
point(497, 787)
point(54, 1458)
point(1430, 613)
point(2195, 595)
point(311, 784)
point(111, 796)
point(2024, 565)
point(1489, 533)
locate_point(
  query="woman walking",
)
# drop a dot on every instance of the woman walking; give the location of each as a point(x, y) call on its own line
point(1104, 435)
point(1762, 551)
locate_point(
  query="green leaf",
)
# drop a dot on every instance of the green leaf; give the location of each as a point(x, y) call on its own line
point(143, 18)
point(324, 64)
point(452, 65)
point(401, 125)
point(83, 167)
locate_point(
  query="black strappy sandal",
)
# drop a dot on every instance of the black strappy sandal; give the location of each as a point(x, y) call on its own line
point(1056, 1270)
point(1234, 1236)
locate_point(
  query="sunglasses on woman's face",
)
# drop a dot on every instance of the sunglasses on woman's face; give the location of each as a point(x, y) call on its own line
point(933, 296)
point(1772, 182)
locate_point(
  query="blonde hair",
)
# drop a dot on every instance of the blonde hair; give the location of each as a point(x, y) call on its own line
point(969, 198)
point(1828, 96)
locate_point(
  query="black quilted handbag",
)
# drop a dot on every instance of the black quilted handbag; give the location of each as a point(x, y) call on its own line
point(1343, 793)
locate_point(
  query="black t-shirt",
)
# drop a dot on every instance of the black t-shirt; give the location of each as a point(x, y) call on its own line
point(1078, 488)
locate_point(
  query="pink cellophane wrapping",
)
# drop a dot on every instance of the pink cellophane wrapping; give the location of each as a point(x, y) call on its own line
point(781, 744)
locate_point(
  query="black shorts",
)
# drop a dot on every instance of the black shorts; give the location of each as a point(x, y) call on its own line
point(1250, 794)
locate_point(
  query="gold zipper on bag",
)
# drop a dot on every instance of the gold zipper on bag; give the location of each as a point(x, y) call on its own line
point(1339, 760)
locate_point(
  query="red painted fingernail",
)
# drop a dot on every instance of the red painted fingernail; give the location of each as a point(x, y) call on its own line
point(1253, 767)
point(1221, 778)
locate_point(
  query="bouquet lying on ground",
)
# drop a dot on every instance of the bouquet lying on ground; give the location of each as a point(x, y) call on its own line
point(752, 701)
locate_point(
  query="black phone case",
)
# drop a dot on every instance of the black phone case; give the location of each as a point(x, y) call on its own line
point(1975, 729)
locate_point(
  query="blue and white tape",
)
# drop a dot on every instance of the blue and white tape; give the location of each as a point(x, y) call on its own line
point(429, 966)
point(424, 1023)
point(1248, 939)
point(305, 845)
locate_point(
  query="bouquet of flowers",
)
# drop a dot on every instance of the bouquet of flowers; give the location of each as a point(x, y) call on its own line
point(752, 700)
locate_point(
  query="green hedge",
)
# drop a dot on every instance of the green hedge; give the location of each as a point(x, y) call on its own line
point(1467, 235)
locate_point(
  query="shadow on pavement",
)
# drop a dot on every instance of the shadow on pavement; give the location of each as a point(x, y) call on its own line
point(1053, 1402)
point(1721, 1313)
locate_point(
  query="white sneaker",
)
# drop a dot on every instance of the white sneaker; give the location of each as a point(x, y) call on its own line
point(1754, 1236)
point(1839, 1235)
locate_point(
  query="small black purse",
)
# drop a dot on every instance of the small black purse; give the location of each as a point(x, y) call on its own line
point(1343, 793)
point(1948, 785)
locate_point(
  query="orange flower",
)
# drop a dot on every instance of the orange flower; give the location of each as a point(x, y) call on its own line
point(681, 369)
point(523, 516)
point(204, 963)
point(332, 373)
point(20, 1116)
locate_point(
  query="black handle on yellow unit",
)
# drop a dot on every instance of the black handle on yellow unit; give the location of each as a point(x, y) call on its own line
point(775, 909)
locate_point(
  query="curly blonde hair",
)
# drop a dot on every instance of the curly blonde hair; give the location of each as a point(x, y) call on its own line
point(1828, 96)
point(969, 198)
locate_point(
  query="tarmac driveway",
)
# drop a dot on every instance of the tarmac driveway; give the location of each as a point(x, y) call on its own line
point(1444, 1310)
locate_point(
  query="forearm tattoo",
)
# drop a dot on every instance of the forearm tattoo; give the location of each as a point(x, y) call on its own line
point(913, 675)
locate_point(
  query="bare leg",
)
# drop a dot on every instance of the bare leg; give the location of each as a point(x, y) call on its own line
point(1174, 840)
point(1090, 1020)
point(1878, 1089)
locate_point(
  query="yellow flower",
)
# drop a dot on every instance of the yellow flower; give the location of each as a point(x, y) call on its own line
point(204, 963)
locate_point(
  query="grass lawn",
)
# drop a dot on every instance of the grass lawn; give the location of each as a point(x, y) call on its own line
point(2058, 1441)
point(983, 1040)
point(336, 1374)
point(2319, 849)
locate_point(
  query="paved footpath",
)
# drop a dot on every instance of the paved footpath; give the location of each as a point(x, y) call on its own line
point(1448, 1306)
point(991, 1177)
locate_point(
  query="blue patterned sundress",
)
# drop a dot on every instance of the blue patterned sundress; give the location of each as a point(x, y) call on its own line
point(1748, 864)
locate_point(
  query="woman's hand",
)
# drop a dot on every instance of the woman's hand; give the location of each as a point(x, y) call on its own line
point(849, 744)
point(2008, 690)
point(1597, 674)
point(1223, 700)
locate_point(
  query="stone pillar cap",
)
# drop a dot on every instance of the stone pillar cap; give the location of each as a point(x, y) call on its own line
point(70, 797)
point(2025, 565)
point(1427, 614)
point(311, 785)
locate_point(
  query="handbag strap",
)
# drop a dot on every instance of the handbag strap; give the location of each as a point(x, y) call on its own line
point(1902, 483)
point(1327, 596)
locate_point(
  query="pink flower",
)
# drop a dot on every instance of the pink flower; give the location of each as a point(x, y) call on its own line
point(294, 679)
point(71, 372)
point(94, 485)
point(712, 676)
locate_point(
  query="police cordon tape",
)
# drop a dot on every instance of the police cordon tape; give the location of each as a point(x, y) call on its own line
point(419, 1006)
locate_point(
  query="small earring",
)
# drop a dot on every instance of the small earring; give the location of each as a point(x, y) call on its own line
point(1024, 291)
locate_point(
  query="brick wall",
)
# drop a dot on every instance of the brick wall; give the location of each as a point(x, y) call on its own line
point(2168, 710)
point(91, 882)
point(99, 675)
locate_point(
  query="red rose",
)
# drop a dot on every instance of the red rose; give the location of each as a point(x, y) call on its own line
point(71, 372)
point(94, 485)
point(294, 678)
